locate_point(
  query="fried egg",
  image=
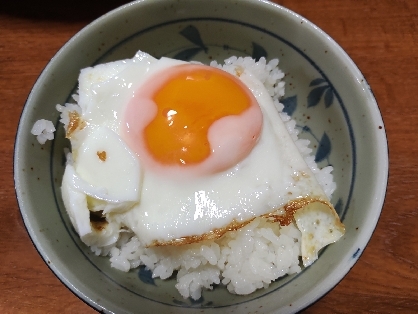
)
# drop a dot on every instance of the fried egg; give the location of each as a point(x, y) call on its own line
point(181, 152)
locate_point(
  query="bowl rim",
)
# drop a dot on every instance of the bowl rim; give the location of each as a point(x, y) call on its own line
point(382, 146)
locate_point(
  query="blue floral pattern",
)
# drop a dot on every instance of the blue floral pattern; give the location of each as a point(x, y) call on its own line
point(192, 34)
point(145, 275)
point(315, 95)
point(290, 104)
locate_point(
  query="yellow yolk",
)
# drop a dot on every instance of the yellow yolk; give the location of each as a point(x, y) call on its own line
point(188, 105)
point(192, 120)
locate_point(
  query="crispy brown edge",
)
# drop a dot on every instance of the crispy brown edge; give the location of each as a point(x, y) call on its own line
point(76, 123)
point(284, 219)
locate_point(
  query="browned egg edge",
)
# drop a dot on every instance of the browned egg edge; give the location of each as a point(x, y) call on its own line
point(97, 220)
point(284, 219)
point(101, 155)
point(75, 123)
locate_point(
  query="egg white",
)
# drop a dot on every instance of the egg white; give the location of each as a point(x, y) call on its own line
point(159, 209)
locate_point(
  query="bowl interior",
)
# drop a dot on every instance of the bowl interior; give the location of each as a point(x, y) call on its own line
point(325, 93)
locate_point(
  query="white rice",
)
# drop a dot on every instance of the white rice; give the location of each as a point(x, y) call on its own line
point(44, 130)
point(243, 260)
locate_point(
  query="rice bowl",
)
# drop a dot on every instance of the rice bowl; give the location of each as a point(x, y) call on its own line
point(150, 293)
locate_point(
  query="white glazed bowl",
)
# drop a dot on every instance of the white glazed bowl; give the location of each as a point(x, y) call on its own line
point(325, 93)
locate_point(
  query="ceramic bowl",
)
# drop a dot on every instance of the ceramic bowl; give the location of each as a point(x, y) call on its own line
point(325, 93)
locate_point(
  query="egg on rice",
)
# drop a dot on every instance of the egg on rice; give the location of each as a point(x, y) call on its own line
point(194, 170)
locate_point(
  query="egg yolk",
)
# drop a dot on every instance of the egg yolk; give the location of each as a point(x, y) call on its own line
point(188, 104)
point(196, 118)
